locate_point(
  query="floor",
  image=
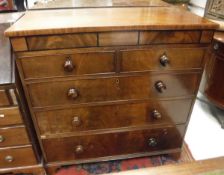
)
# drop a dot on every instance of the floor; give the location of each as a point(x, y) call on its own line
point(204, 136)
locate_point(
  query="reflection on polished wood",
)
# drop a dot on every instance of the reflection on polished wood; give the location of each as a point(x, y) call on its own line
point(115, 88)
point(129, 90)
point(102, 145)
point(113, 116)
point(97, 3)
point(106, 19)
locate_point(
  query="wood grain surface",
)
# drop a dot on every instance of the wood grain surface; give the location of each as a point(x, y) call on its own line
point(106, 19)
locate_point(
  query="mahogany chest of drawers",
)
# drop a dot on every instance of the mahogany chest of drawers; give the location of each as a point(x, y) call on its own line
point(110, 83)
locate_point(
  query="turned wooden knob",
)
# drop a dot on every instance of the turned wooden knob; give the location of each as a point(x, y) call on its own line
point(68, 65)
point(152, 142)
point(156, 114)
point(160, 86)
point(76, 121)
point(73, 93)
point(79, 149)
point(9, 159)
point(164, 60)
point(1, 139)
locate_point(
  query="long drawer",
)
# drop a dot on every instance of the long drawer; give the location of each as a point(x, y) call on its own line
point(161, 59)
point(111, 144)
point(113, 88)
point(76, 63)
point(18, 156)
point(10, 116)
point(113, 116)
point(13, 136)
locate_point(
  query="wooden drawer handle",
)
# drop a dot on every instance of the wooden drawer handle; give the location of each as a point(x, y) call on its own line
point(160, 86)
point(68, 65)
point(76, 121)
point(2, 139)
point(152, 142)
point(79, 149)
point(156, 114)
point(164, 60)
point(9, 159)
point(73, 93)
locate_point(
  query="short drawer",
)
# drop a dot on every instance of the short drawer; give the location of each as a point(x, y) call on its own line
point(17, 156)
point(68, 65)
point(13, 136)
point(158, 59)
point(10, 116)
point(62, 41)
point(112, 144)
point(113, 116)
point(169, 37)
point(113, 88)
point(4, 100)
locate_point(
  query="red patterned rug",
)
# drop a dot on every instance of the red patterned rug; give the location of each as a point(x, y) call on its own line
point(124, 165)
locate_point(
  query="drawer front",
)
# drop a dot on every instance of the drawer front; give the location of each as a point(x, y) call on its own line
point(10, 116)
point(67, 65)
point(4, 101)
point(111, 144)
point(62, 41)
point(158, 59)
point(13, 136)
point(113, 116)
point(110, 89)
point(169, 37)
point(14, 157)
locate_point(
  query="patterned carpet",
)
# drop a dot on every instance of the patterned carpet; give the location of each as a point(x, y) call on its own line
point(123, 165)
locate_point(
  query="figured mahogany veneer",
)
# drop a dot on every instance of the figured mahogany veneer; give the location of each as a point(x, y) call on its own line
point(110, 83)
point(113, 116)
point(151, 59)
point(81, 63)
point(102, 145)
point(112, 88)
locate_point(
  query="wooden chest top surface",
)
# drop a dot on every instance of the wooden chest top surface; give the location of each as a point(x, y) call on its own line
point(47, 22)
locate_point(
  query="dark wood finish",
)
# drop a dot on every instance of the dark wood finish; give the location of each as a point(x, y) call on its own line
point(21, 156)
point(103, 114)
point(62, 41)
point(13, 136)
point(118, 38)
point(110, 144)
point(4, 100)
point(10, 116)
point(115, 88)
point(151, 58)
point(213, 79)
point(169, 37)
point(113, 116)
point(83, 63)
